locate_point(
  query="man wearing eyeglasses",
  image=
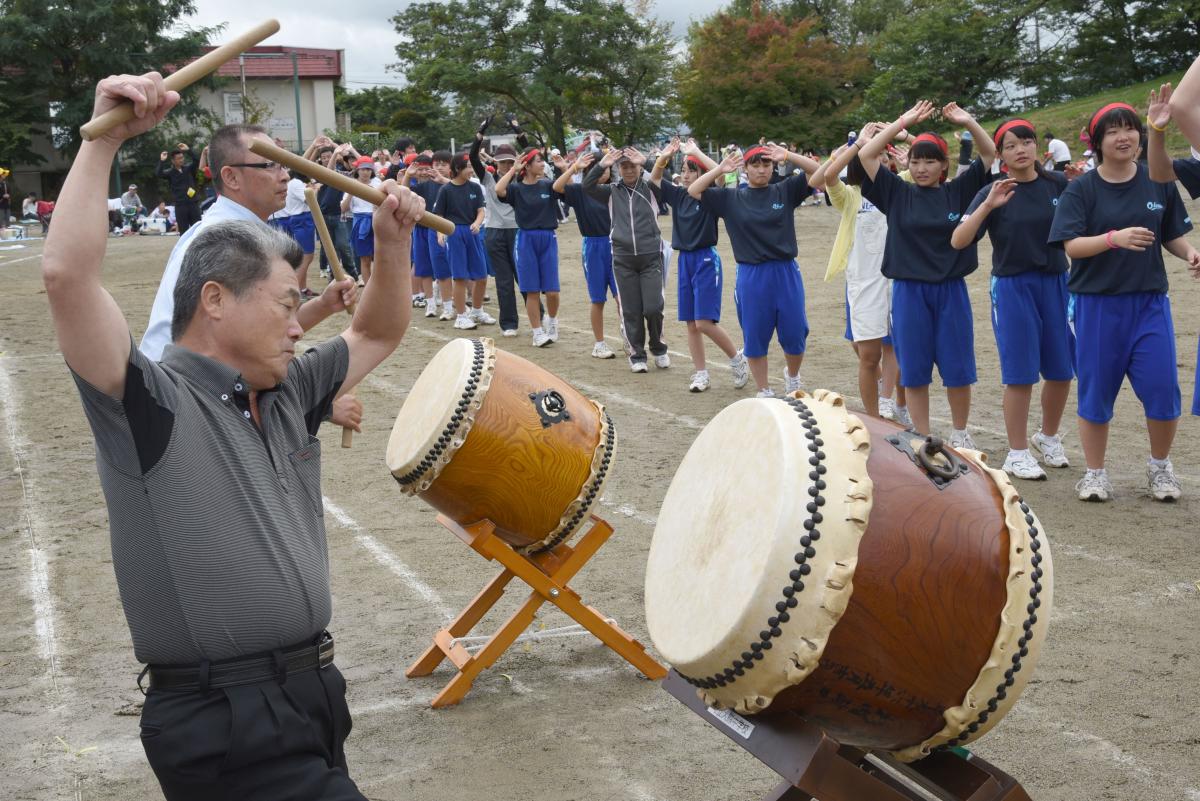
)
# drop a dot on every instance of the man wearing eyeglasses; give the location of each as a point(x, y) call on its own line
point(252, 189)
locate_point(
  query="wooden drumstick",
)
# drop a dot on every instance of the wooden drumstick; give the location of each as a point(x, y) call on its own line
point(183, 77)
point(329, 177)
point(335, 265)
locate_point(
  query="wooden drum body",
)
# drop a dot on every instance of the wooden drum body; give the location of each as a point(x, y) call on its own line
point(487, 434)
point(812, 561)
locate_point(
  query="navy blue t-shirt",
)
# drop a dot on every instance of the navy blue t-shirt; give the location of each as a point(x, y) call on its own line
point(692, 226)
point(920, 223)
point(1019, 229)
point(591, 215)
point(329, 198)
point(1092, 206)
point(533, 204)
point(761, 222)
point(459, 204)
point(1188, 173)
point(428, 190)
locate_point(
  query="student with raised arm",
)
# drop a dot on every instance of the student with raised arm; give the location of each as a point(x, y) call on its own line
point(858, 251)
point(1113, 223)
point(1185, 105)
point(761, 223)
point(1163, 168)
point(595, 227)
point(461, 202)
point(1029, 295)
point(211, 474)
point(931, 310)
point(701, 279)
point(536, 209)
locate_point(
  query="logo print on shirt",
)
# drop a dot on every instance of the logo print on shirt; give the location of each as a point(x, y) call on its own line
point(1153, 206)
point(777, 206)
point(1054, 201)
point(953, 216)
point(544, 196)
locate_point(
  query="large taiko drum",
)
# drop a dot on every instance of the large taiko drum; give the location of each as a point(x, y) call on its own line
point(811, 561)
point(486, 434)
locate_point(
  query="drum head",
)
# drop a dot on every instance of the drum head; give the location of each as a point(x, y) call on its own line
point(430, 405)
point(728, 522)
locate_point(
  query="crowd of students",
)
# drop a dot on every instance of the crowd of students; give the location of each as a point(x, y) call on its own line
point(1078, 280)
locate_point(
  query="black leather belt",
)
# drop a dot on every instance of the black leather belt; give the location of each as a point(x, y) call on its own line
point(274, 665)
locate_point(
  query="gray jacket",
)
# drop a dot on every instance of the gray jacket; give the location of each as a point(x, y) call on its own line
point(634, 212)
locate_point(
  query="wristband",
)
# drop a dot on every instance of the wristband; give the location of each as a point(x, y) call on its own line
point(1155, 127)
point(1108, 240)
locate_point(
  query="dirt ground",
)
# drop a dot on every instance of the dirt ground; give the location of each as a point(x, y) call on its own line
point(1110, 713)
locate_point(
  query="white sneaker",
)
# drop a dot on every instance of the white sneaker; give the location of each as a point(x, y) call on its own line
point(1094, 486)
point(637, 367)
point(790, 383)
point(418, 300)
point(1021, 464)
point(540, 338)
point(662, 362)
point(739, 365)
point(903, 417)
point(431, 309)
point(601, 350)
point(766, 393)
point(482, 317)
point(887, 408)
point(509, 332)
point(1051, 449)
point(552, 328)
point(962, 440)
point(448, 312)
point(464, 322)
point(699, 381)
point(1164, 484)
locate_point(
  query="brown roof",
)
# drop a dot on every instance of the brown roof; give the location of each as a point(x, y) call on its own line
point(311, 62)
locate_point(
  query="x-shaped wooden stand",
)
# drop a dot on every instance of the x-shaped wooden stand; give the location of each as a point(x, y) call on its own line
point(547, 574)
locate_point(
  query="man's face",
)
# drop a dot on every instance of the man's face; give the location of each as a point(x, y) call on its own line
point(177, 159)
point(629, 171)
point(260, 330)
point(261, 191)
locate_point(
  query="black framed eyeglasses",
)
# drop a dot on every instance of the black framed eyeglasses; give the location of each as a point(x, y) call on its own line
point(261, 165)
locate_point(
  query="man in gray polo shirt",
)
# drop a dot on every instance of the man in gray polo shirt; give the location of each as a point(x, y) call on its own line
point(211, 473)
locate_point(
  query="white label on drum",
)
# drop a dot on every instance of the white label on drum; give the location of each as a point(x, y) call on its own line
point(742, 727)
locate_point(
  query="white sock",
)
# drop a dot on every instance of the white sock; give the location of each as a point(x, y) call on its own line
point(958, 432)
point(791, 377)
point(1102, 473)
point(551, 320)
point(1014, 453)
point(538, 330)
point(1159, 463)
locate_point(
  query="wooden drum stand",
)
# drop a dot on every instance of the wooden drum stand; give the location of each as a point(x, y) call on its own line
point(547, 574)
point(814, 765)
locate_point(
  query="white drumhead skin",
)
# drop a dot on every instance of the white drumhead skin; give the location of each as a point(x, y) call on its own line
point(429, 406)
point(727, 523)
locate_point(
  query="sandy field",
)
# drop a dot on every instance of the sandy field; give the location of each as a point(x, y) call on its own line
point(1109, 713)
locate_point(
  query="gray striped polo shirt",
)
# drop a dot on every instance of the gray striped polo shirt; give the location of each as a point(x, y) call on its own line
point(217, 526)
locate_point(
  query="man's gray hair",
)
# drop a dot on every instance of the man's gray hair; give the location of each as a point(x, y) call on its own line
point(226, 147)
point(235, 254)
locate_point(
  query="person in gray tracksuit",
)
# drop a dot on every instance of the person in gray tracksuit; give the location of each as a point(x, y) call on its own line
point(637, 252)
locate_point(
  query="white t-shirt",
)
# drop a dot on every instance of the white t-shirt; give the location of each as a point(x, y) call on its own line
point(295, 203)
point(358, 206)
point(1059, 152)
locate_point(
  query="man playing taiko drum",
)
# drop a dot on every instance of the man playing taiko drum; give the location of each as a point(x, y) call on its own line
point(211, 473)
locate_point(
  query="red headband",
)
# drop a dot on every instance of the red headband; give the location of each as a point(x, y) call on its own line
point(1008, 126)
point(695, 164)
point(1110, 107)
point(530, 156)
point(937, 140)
point(754, 153)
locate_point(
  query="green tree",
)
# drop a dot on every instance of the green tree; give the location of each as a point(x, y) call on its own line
point(759, 73)
point(555, 63)
point(54, 54)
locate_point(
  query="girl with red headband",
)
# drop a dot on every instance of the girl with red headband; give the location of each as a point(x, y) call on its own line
point(536, 207)
point(1113, 223)
point(931, 311)
point(701, 278)
point(761, 222)
point(1029, 295)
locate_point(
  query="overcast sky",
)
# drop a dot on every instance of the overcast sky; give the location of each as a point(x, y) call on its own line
point(362, 28)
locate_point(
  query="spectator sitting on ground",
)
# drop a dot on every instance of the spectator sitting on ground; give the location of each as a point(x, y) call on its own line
point(29, 208)
point(130, 200)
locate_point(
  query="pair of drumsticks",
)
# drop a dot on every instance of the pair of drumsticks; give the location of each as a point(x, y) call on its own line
point(209, 63)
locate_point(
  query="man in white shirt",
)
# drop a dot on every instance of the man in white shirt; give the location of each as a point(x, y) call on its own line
point(1060, 154)
point(249, 188)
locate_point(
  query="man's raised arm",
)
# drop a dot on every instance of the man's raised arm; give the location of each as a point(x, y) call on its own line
point(92, 332)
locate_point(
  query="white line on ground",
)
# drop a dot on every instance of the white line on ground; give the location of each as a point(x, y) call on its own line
point(388, 559)
point(45, 614)
point(16, 261)
point(629, 511)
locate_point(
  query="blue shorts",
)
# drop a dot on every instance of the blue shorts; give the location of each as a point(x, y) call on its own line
point(849, 335)
point(537, 260)
point(465, 255)
point(1126, 335)
point(770, 300)
point(363, 234)
point(280, 224)
point(931, 324)
point(598, 269)
point(700, 282)
point(422, 266)
point(1029, 316)
point(437, 257)
point(302, 229)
